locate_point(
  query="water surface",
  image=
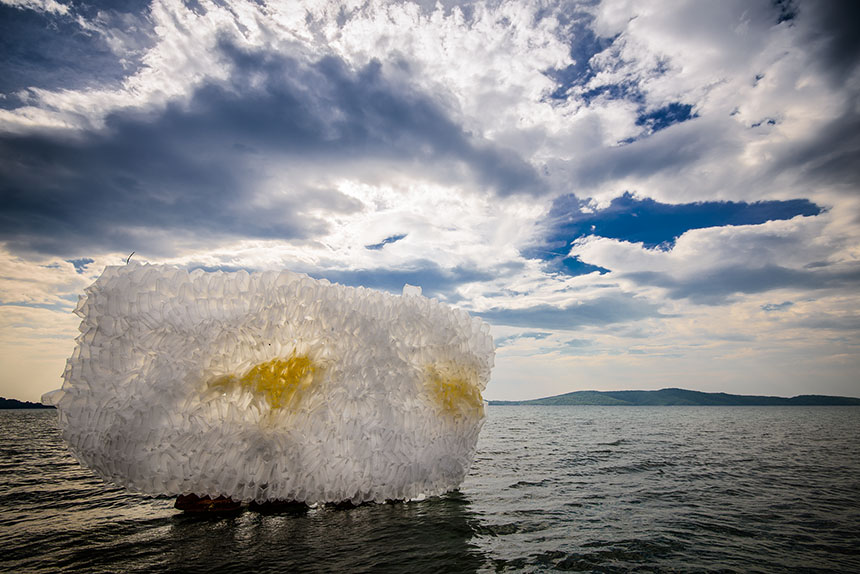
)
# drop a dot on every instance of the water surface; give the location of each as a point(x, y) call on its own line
point(590, 489)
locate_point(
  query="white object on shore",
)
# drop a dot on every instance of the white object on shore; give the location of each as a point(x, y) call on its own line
point(272, 386)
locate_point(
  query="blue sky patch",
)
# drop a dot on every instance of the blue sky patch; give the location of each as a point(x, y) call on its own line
point(386, 241)
point(787, 10)
point(573, 266)
point(766, 121)
point(662, 118)
point(55, 306)
point(80, 264)
point(536, 335)
point(770, 307)
point(649, 222)
point(623, 91)
point(584, 44)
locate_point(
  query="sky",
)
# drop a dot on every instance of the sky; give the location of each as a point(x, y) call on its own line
point(635, 195)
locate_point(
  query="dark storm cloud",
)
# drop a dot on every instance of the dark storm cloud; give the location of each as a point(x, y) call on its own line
point(49, 50)
point(831, 31)
point(832, 155)
point(618, 308)
point(361, 115)
point(716, 287)
point(141, 187)
point(192, 171)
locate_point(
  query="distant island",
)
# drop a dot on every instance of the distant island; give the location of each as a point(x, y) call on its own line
point(661, 398)
point(16, 404)
point(680, 397)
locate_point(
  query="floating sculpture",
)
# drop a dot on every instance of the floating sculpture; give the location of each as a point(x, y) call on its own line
point(272, 386)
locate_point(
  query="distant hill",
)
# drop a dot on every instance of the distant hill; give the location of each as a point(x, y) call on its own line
point(680, 397)
point(16, 404)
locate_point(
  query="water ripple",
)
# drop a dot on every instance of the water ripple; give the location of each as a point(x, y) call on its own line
point(556, 489)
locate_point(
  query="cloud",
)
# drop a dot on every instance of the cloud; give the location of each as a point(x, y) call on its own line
point(200, 172)
point(717, 285)
point(665, 153)
point(849, 322)
point(47, 283)
point(584, 45)
point(659, 176)
point(829, 156)
point(830, 29)
point(645, 221)
point(706, 76)
point(47, 6)
point(713, 265)
point(601, 311)
point(53, 46)
point(434, 280)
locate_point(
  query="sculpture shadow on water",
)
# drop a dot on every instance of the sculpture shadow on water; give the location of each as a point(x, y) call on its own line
point(57, 516)
point(429, 536)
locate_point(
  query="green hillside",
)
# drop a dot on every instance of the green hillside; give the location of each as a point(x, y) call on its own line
point(680, 397)
point(16, 404)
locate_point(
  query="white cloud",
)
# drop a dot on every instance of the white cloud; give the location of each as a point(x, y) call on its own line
point(48, 6)
point(762, 97)
point(46, 282)
point(795, 243)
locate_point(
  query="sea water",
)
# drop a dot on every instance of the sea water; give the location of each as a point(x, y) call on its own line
point(588, 489)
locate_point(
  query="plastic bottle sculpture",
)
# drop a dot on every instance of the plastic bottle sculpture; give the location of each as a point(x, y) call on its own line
point(272, 387)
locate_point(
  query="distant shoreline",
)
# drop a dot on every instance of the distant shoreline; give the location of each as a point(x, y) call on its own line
point(661, 398)
point(16, 404)
point(680, 397)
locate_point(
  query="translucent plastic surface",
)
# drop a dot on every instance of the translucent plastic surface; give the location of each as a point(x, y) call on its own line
point(272, 386)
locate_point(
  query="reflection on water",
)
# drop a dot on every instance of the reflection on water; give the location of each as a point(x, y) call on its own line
point(552, 489)
point(57, 516)
point(432, 536)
